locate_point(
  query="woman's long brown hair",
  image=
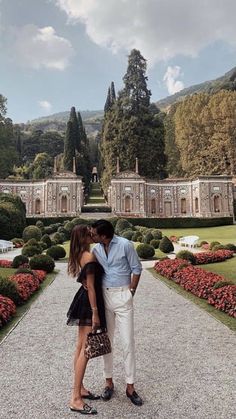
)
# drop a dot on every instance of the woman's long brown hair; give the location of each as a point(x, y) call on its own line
point(78, 244)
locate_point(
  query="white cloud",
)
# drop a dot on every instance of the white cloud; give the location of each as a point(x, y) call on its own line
point(160, 29)
point(173, 85)
point(41, 48)
point(45, 105)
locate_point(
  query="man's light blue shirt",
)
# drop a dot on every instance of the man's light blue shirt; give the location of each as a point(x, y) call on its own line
point(121, 261)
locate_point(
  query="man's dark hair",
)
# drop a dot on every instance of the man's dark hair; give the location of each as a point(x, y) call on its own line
point(104, 228)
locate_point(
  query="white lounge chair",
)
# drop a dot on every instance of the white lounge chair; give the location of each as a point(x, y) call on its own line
point(189, 241)
point(7, 245)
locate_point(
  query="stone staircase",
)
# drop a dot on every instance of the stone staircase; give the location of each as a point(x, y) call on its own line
point(96, 202)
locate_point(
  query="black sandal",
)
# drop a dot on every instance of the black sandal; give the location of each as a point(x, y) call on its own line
point(91, 396)
point(87, 410)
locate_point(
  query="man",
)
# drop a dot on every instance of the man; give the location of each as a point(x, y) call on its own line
point(122, 272)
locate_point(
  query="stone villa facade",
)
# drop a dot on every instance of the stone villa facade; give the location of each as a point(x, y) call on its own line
point(58, 196)
point(206, 196)
point(129, 194)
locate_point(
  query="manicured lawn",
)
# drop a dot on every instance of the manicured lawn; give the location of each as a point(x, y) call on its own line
point(5, 272)
point(224, 234)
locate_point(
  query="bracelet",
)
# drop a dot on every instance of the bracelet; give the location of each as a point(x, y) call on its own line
point(94, 308)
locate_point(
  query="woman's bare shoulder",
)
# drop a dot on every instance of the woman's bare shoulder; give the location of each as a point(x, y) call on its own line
point(87, 257)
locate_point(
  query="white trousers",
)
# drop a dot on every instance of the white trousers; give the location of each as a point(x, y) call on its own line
point(119, 311)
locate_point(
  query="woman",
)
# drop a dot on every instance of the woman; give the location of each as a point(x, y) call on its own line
point(86, 310)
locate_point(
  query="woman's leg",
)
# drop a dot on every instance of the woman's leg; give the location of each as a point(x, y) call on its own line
point(80, 363)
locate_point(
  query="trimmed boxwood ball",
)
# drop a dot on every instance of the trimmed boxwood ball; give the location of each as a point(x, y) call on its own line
point(137, 236)
point(157, 234)
point(56, 252)
point(8, 289)
point(155, 243)
point(212, 244)
point(123, 224)
point(31, 250)
point(39, 224)
point(127, 234)
point(42, 262)
point(231, 246)
point(19, 260)
point(186, 255)
point(58, 238)
point(218, 247)
point(166, 245)
point(46, 239)
point(145, 251)
point(148, 237)
point(31, 232)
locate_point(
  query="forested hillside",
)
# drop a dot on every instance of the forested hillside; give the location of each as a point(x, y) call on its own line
point(195, 135)
point(226, 82)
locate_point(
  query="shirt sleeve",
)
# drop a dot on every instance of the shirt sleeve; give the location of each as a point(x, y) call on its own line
point(133, 258)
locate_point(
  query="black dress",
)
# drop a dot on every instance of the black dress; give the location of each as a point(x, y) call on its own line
point(80, 312)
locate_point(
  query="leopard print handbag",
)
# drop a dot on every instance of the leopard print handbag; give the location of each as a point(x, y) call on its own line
point(97, 344)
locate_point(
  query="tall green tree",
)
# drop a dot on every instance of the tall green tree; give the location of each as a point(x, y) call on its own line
point(132, 129)
point(205, 133)
point(75, 132)
point(83, 157)
point(8, 155)
point(69, 147)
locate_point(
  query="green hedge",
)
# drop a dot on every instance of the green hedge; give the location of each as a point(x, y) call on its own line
point(95, 209)
point(180, 222)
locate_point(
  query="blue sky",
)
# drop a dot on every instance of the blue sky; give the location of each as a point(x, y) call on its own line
point(61, 53)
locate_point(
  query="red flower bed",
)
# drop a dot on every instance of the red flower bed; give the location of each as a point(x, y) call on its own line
point(5, 263)
point(197, 281)
point(200, 283)
point(173, 239)
point(212, 257)
point(39, 274)
point(167, 267)
point(27, 284)
point(7, 309)
point(224, 299)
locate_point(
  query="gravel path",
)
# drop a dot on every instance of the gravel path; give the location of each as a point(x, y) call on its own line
point(186, 360)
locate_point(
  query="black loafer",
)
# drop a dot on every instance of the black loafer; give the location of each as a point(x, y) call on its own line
point(107, 393)
point(134, 398)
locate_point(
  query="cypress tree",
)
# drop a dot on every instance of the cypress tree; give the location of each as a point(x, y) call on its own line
point(107, 106)
point(69, 147)
point(112, 93)
point(75, 128)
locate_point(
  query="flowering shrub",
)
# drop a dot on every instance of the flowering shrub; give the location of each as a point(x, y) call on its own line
point(40, 274)
point(7, 309)
point(27, 284)
point(205, 246)
point(173, 239)
point(167, 267)
point(5, 263)
point(200, 283)
point(212, 257)
point(224, 299)
point(197, 281)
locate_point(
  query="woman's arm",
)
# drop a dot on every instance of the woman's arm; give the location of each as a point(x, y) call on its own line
point(93, 301)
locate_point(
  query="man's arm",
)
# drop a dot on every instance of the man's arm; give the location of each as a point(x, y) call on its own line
point(135, 266)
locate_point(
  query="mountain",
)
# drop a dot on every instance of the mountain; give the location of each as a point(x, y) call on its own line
point(92, 121)
point(227, 82)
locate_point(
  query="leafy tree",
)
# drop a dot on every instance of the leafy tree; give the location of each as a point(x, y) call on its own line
point(42, 166)
point(132, 128)
point(205, 133)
